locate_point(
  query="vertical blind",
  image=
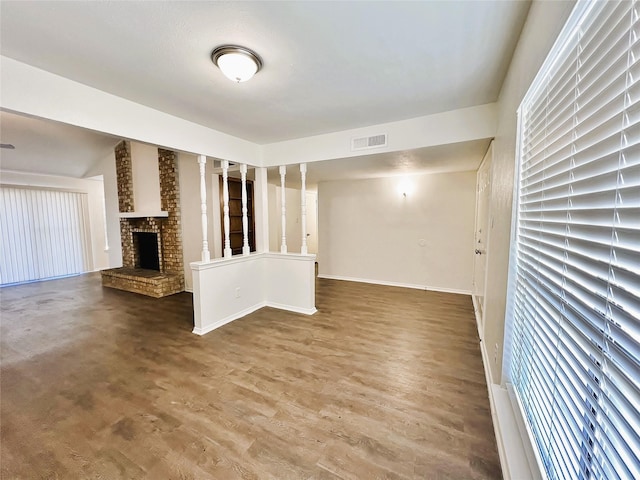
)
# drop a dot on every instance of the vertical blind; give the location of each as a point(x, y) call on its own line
point(43, 234)
point(574, 309)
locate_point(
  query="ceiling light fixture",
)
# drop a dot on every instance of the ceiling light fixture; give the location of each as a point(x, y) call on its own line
point(237, 63)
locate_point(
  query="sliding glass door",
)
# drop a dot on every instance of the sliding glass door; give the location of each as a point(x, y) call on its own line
point(43, 234)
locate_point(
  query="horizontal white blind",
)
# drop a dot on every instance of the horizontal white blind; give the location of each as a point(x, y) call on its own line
point(43, 234)
point(575, 276)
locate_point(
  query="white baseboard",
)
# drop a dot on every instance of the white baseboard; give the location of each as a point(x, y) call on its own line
point(536, 465)
point(396, 284)
point(475, 314)
point(290, 308)
point(242, 313)
point(247, 311)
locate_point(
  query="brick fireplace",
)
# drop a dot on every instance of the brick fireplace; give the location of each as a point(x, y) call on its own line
point(139, 273)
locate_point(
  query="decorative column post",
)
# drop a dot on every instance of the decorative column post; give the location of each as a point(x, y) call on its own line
point(104, 222)
point(225, 208)
point(303, 207)
point(202, 161)
point(246, 250)
point(283, 246)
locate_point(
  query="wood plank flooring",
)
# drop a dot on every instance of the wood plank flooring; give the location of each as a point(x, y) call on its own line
point(381, 383)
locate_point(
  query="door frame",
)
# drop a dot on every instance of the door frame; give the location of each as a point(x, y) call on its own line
point(479, 301)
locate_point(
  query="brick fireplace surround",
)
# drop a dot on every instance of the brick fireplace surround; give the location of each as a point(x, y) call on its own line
point(130, 277)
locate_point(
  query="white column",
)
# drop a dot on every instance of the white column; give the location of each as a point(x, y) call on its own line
point(283, 246)
point(104, 222)
point(225, 208)
point(202, 161)
point(303, 207)
point(246, 250)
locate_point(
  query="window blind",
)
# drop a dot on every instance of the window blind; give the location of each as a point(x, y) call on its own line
point(574, 306)
point(43, 234)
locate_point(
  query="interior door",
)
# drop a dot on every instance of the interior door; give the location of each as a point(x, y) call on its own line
point(236, 234)
point(312, 222)
point(483, 194)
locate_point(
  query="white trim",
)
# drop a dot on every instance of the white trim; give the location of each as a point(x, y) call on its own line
point(161, 213)
point(290, 308)
point(290, 255)
point(526, 434)
point(219, 262)
point(494, 414)
point(230, 318)
point(396, 284)
point(474, 300)
point(247, 311)
point(511, 450)
point(570, 28)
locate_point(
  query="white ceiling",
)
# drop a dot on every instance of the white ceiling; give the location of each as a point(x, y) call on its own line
point(49, 147)
point(328, 66)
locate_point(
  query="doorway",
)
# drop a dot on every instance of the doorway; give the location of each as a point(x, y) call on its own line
point(236, 235)
point(45, 234)
point(483, 194)
point(312, 222)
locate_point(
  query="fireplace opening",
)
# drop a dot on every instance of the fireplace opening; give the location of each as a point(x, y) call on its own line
point(146, 244)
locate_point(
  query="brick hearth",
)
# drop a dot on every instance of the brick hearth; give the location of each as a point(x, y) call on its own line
point(146, 282)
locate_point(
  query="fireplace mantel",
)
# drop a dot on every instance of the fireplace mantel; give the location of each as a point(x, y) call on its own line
point(144, 214)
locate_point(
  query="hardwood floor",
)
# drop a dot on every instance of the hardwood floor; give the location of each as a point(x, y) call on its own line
point(381, 383)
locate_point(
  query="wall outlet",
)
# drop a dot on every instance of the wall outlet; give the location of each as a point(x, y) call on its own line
point(238, 293)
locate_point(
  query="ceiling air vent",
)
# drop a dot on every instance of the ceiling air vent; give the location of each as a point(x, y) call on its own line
point(374, 141)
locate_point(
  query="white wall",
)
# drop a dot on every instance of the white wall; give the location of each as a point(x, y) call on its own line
point(227, 289)
point(369, 231)
point(107, 168)
point(190, 213)
point(543, 24)
point(93, 188)
point(473, 123)
point(146, 178)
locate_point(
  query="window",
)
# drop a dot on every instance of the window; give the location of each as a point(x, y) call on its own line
point(574, 293)
point(43, 234)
